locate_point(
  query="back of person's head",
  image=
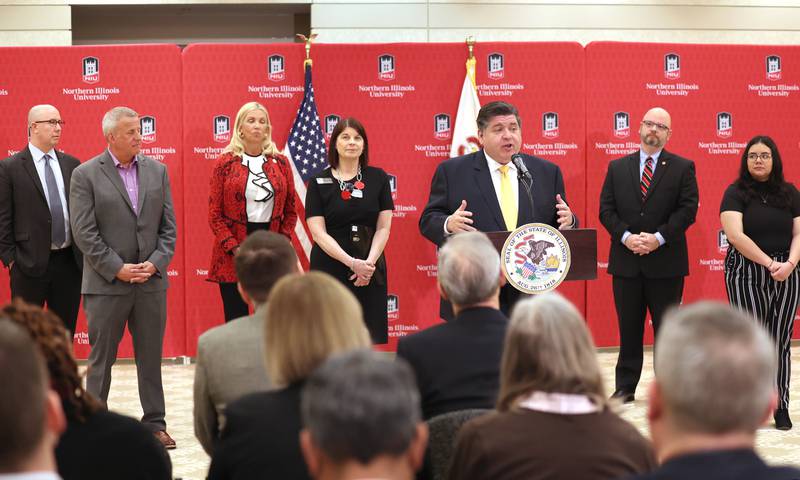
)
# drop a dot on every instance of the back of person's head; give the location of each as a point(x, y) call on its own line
point(716, 369)
point(548, 349)
point(360, 406)
point(469, 269)
point(309, 318)
point(55, 344)
point(263, 259)
point(23, 403)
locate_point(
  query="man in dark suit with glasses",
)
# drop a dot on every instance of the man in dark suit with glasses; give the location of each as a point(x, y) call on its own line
point(35, 236)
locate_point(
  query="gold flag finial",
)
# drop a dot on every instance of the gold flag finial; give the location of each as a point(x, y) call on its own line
point(307, 40)
point(471, 60)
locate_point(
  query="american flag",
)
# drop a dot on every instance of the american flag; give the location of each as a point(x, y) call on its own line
point(307, 154)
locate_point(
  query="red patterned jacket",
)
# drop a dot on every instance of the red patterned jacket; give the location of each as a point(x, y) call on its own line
point(227, 212)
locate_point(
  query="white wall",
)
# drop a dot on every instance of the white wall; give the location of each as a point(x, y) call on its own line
point(48, 22)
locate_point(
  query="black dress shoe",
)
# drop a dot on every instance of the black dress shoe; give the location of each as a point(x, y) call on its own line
point(623, 396)
point(782, 420)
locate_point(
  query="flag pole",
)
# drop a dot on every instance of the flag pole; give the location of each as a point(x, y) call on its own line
point(471, 59)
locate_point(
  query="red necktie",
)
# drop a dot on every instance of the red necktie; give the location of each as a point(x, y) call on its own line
point(647, 177)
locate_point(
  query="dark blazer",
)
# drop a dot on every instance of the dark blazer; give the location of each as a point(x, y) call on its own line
point(108, 445)
point(468, 178)
point(670, 208)
point(261, 438)
point(24, 214)
point(741, 464)
point(457, 364)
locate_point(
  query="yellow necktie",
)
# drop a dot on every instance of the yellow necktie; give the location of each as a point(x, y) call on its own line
point(507, 204)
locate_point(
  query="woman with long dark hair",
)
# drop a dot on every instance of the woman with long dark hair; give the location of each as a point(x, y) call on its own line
point(760, 214)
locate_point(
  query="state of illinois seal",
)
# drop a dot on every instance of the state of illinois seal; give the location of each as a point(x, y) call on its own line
point(535, 258)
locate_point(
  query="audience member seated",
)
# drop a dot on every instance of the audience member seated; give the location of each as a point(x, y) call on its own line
point(220, 377)
point(553, 421)
point(97, 444)
point(31, 418)
point(457, 364)
point(362, 419)
point(715, 385)
point(308, 318)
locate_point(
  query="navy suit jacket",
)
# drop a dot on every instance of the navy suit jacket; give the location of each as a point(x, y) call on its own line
point(670, 208)
point(468, 178)
point(741, 464)
point(457, 364)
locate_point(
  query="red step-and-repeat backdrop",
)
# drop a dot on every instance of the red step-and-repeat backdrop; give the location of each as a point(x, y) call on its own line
point(719, 97)
point(580, 108)
point(84, 83)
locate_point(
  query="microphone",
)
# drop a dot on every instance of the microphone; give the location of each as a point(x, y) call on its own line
point(522, 175)
point(522, 170)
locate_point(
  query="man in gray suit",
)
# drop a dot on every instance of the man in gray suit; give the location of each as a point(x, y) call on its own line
point(220, 378)
point(123, 222)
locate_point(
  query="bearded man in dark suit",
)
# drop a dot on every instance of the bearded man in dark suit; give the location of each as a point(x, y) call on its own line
point(648, 201)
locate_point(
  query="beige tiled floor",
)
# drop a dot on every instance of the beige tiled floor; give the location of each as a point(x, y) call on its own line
point(191, 463)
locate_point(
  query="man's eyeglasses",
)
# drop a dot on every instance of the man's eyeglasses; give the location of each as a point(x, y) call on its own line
point(756, 156)
point(658, 126)
point(53, 122)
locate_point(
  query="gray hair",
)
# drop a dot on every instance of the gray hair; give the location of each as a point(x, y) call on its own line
point(548, 348)
point(113, 116)
point(469, 268)
point(361, 405)
point(716, 368)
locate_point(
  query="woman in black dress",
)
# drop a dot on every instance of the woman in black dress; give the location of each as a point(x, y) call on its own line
point(760, 214)
point(349, 213)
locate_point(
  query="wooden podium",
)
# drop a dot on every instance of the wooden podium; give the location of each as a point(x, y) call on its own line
point(582, 245)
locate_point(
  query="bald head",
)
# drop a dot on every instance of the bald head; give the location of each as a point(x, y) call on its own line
point(655, 130)
point(44, 135)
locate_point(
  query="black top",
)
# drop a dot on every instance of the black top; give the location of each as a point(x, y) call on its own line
point(261, 438)
point(741, 464)
point(324, 198)
point(769, 227)
point(109, 445)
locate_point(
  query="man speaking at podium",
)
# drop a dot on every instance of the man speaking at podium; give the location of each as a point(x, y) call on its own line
point(487, 190)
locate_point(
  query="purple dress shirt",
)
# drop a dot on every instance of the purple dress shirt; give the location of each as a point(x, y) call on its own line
point(130, 178)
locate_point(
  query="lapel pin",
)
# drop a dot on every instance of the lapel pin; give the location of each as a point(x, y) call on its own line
point(663, 163)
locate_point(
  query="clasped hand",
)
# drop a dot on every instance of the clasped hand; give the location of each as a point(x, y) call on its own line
point(642, 243)
point(780, 271)
point(362, 272)
point(136, 272)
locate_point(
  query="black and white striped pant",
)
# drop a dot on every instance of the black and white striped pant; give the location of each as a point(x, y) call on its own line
point(751, 288)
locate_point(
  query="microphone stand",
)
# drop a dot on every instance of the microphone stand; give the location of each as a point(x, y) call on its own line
point(526, 182)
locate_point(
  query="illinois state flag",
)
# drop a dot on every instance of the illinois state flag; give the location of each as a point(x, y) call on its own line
point(465, 133)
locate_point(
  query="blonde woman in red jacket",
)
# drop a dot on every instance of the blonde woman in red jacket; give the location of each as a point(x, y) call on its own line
point(252, 188)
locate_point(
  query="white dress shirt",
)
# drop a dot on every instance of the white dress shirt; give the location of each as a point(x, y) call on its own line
point(30, 476)
point(259, 192)
point(38, 162)
point(642, 160)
